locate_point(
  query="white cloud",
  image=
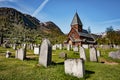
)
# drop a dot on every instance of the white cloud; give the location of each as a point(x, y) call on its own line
point(40, 8)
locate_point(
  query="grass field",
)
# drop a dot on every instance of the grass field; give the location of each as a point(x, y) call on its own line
point(29, 69)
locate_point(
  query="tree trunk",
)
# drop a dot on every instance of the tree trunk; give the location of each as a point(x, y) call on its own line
point(1, 38)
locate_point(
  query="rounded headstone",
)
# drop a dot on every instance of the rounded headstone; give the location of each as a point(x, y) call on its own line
point(82, 53)
point(8, 54)
point(93, 54)
point(63, 55)
point(45, 57)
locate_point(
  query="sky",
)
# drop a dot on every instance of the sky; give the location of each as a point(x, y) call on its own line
point(96, 14)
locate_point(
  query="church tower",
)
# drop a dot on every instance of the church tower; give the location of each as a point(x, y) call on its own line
point(76, 23)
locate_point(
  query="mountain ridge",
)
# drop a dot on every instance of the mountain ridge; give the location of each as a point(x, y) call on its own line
point(11, 19)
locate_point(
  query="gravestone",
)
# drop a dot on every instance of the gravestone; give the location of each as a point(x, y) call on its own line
point(28, 46)
point(54, 47)
point(8, 54)
point(106, 46)
point(11, 45)
point(45, 57)
point(74, 67)
point(75, 49)
point(63, 55)
point(85, 46)
point(68, 47)
point(57, 45)
point(118, 47)
point(36, 50)
point(14, 46)
point(60, 46)
point(93, 54)
point(20, 54)
point(34, 45)
point(82, 53)
point(115, 55)
point(24, 46)
point(6, 44)
point(31, 47)
point(98, 53)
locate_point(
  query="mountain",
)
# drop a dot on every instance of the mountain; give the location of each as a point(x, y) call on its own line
point(14, 24)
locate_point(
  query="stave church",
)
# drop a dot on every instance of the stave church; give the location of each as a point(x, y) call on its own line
point(77, 35)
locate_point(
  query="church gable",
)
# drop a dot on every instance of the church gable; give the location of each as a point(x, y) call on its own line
point(74, 34)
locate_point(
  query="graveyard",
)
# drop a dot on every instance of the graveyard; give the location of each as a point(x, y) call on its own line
point(15, 69)
point(38, 42)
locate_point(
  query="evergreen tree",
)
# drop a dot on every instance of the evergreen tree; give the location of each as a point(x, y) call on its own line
point(89, 30)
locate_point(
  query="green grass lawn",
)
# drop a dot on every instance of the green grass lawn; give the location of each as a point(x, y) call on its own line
point(29, 69)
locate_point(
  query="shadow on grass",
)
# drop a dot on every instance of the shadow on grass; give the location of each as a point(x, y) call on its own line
point(31, 58)
point(76, 53)
point(88, 73)
point(60, 63)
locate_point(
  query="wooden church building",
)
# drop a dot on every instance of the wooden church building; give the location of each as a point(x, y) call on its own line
point(77, 35)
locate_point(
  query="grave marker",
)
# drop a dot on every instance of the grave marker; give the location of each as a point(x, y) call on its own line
point(45, 57)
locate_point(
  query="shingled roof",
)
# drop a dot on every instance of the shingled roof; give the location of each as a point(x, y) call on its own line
point(76, 20)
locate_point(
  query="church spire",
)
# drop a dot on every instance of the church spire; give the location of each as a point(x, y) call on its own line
point(76, 20)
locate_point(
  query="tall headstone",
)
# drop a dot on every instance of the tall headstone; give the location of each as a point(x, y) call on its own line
point(82, 53)
point(54, 47)
point(93, 54)
point(98, 53)
point(20, 54)
point(31, 47)
point(45, 57)
point(68, 47)
point(74, 67)
point(60, 46)
point(28, 46)
point(24, 46)
point(14, 46)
